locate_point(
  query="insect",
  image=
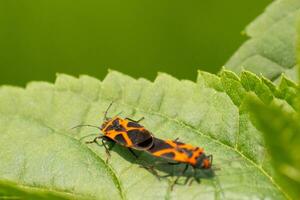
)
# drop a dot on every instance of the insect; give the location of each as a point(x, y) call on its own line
point(173, 150)
point(181, 153)
point(126, 132)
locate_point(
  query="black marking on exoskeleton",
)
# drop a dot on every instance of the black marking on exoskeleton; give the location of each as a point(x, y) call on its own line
point(199, 160)
point(187, 151)
point(109, 128)
point(168, 155)
point(104, 125)
point(120, 128)
point(158, 145)
point(115, 126)
point(133, 124)
point(146, 144)
point(120, 139)
point(141, 139)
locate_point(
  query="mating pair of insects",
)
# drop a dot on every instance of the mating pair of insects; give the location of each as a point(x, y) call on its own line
point(129, 133)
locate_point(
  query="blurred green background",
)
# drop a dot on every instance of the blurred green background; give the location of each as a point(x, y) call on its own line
point(40, 38)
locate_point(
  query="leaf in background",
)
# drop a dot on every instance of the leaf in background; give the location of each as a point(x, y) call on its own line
point(38, 150)
point(281, 129)
point(271, 49)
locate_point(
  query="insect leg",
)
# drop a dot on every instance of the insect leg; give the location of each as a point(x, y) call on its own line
point(187, 180)
point(103, 143)
point(95, 139)
point(183, 172)
point(186, 167)
point(195, 178)
point(153, 171)
point(174, 183)
point(132, 152)
point(194, 174)
point(107, 149)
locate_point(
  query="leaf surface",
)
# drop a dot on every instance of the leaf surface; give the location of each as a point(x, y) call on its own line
point(40, 151)
point(271, 48)
point(281, 130)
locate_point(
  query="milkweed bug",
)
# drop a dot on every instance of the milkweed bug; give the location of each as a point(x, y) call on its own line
point(126, 132)
point(181, 153)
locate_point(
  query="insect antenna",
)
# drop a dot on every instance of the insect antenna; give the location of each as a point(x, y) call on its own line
point(81, 125)
point(105, 113)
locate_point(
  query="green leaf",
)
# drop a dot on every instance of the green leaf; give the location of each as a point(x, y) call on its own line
point(298, 46)
point(13, 191)
point(39, 151)
point(281, 129)
point(271, 49)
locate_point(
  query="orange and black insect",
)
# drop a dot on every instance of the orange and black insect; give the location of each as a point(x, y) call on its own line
point(173, 150)
point(126, 132)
